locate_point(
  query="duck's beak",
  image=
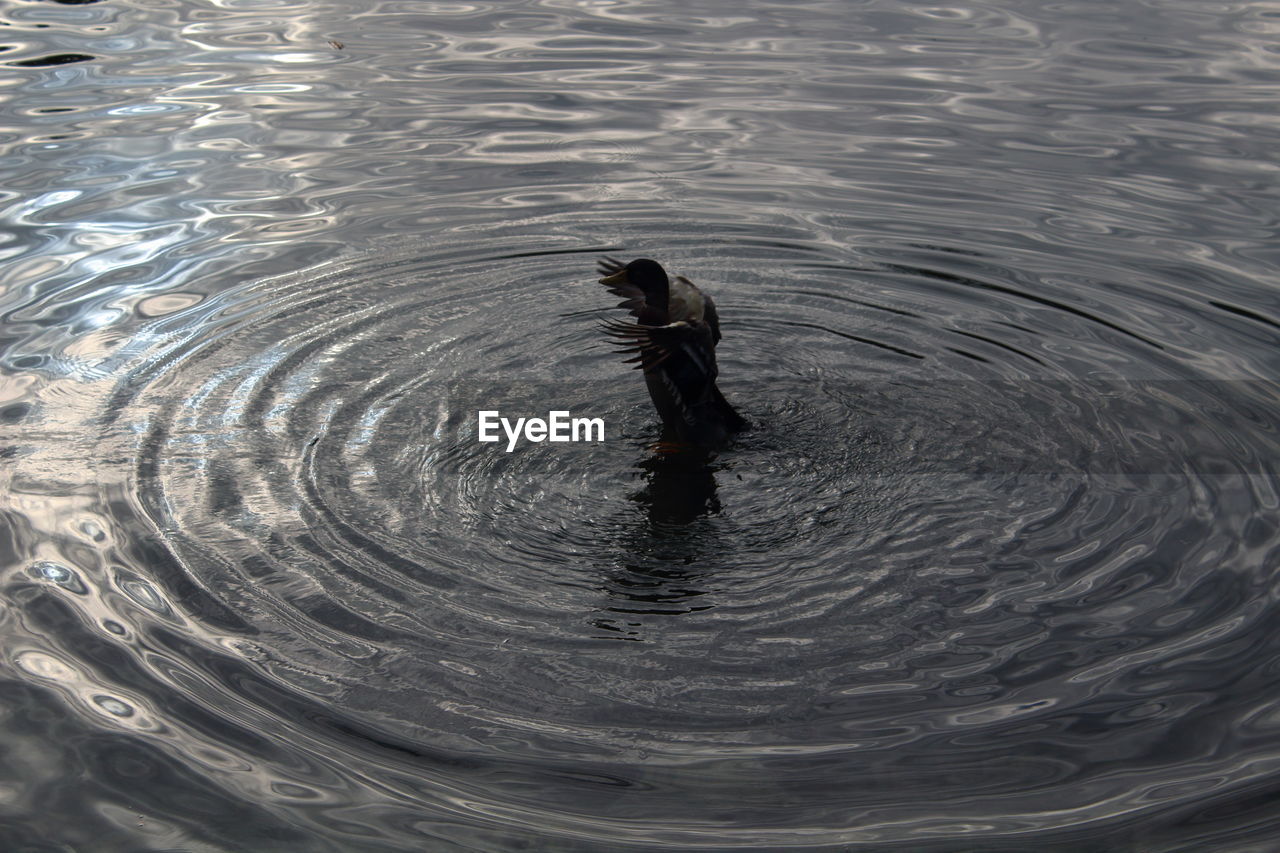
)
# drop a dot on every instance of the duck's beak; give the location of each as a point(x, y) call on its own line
point(620, 277)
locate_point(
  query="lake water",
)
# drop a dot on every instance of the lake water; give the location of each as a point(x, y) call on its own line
point(995, 568)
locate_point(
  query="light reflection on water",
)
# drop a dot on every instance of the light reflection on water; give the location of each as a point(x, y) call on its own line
point(992, 570)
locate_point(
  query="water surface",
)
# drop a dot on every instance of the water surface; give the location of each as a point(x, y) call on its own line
point(993, 569)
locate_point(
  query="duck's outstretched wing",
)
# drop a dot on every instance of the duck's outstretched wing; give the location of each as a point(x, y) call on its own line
point(683, 347)
point(608, 266)
point(632, 296)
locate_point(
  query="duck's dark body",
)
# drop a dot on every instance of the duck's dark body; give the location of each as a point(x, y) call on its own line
point(674, 342)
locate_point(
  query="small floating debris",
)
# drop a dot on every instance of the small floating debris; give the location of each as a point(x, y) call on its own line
point(56, 59)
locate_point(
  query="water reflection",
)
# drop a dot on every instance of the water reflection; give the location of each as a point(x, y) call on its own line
point(661, 571)
point(997, 289)
point(679, 488)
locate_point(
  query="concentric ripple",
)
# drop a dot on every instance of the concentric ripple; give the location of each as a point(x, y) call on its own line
point(993, 568)
point(911, 559)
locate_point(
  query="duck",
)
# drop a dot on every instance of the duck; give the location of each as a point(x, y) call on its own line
point(674, 342)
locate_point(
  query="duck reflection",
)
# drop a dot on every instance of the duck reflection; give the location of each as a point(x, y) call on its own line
point(660, 572)
point(680, 488)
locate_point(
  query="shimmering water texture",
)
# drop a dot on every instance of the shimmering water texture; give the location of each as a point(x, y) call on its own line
point(993, 570)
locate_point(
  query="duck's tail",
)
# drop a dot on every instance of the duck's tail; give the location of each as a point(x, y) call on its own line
point(733, 421)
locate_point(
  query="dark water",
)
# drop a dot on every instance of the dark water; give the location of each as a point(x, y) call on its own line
point(995, 569)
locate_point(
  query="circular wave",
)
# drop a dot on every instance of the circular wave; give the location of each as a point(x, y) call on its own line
point(931, 543)
point(992, 569)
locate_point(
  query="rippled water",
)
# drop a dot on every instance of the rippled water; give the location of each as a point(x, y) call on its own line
point(993, 570)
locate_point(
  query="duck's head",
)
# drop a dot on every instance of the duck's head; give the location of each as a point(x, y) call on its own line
point(645, 274)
